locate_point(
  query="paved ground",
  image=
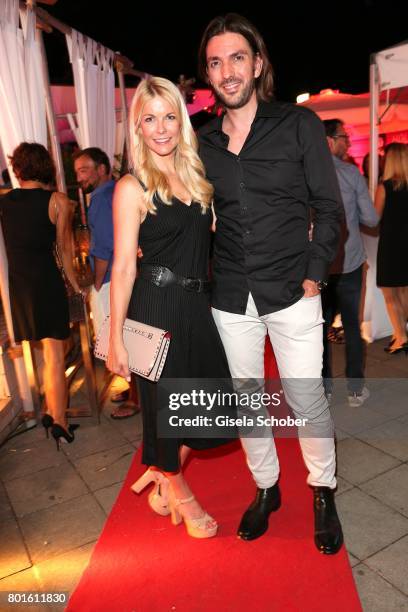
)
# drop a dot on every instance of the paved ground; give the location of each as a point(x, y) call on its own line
point(53, 505)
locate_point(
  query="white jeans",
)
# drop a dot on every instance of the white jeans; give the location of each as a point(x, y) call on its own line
point(100, 305)
point(296, 336)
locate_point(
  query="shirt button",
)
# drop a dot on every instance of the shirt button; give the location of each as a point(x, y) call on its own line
point(242, 185)
point(247, 232)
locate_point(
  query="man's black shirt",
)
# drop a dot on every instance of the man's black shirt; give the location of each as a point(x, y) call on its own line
point(263, 200)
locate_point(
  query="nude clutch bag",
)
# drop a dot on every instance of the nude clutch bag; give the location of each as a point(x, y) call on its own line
point(147, 347)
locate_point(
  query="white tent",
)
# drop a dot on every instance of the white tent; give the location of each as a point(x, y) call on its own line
point(354, 110)
point(383, 111)
point(388, 73)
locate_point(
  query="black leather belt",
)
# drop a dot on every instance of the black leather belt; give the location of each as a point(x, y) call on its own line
point(164, 277)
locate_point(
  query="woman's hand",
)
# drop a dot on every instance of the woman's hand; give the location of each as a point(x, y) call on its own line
point(82, 291)
point(118, 360)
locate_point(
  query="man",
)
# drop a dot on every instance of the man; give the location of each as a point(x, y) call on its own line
point(93, 172)
point(269, 163)
point(344, 287)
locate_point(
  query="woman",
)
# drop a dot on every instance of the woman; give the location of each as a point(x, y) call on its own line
point(33, 219)
point(391, 202)
point(166, 211)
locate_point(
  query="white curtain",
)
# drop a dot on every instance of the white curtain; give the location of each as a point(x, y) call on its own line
point(119, 146)
point(22, 118)
point(3, 164)
point(73, 124)
point(92, 66)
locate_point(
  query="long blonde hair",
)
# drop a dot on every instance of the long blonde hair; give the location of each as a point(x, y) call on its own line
point(188, 165)
point(396, 165)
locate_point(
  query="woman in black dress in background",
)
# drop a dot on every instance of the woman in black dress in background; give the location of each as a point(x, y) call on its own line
point(167, 211)
point(391, 202)
point(33, 219)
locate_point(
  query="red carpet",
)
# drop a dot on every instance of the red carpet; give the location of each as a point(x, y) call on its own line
point(142, 563)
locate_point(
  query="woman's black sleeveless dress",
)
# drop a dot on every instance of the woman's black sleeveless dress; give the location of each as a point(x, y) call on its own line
point(392, 268)
point(38, 299)
point(178, 237)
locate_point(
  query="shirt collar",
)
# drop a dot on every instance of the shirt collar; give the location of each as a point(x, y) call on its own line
point(104, 187)
point(264, 110)
point(337, 161)
point(269, 109)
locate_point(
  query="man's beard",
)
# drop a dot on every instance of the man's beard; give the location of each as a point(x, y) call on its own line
point(243, 99)
point(88, 188)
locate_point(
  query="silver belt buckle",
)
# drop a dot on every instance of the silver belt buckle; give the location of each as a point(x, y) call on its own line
point(157, 274)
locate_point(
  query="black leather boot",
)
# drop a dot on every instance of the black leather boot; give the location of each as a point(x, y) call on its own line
point(328, 534)
point(254, 523)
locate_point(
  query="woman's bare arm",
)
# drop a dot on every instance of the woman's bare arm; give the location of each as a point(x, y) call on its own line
point(61, 212)
point(129, 212)
point(379, 201)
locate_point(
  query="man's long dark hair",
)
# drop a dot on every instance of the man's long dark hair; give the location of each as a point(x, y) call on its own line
point(232, 22)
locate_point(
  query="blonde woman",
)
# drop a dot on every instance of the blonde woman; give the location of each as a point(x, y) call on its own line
point(164, 207)
point(391, 202)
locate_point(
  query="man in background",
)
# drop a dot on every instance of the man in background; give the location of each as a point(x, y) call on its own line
point(93, 172)
point(343, 290)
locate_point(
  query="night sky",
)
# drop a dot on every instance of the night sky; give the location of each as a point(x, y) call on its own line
point(313, 45)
